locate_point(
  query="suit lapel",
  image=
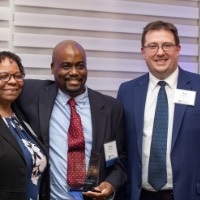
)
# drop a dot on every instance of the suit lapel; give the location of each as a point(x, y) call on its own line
point(47, 98)
point(140, 92)
point(98, 116)
point(184, 82)
point(7, 135)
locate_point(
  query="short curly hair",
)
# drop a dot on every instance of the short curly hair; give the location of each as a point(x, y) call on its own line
point(14, 57)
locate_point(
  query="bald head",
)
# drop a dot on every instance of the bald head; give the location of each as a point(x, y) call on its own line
point(67, 46)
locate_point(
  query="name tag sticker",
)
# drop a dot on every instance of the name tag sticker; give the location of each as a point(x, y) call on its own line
point(185, 97)
point(111, 154)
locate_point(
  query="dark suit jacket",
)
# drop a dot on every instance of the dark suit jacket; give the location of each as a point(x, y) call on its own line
point(185, 149)
point(13, 169)
point(37, 101)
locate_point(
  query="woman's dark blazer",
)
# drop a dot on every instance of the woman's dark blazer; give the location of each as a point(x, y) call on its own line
point(13, 169)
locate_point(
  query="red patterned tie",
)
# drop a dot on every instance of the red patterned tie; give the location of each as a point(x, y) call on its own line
point(76, 169)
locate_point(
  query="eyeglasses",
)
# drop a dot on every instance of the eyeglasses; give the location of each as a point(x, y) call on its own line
point(154, 47)
point(5, 77)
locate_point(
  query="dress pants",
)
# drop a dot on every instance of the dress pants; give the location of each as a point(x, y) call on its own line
point(160, 195)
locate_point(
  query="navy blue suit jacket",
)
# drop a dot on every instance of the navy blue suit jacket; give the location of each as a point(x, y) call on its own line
point(185, 148)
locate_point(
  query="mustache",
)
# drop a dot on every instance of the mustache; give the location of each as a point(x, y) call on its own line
point(76, 78)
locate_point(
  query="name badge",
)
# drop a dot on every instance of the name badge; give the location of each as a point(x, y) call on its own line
point(186, 97)
point(111, 154)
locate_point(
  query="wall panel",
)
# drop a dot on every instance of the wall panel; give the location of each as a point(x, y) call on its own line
point(5, 30)
point(109, 30)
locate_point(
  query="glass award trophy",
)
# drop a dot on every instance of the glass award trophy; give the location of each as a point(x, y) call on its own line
point(92, 176)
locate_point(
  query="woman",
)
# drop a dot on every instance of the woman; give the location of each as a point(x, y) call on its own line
point(22, 156)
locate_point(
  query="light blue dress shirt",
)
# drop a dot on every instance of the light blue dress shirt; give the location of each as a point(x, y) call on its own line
point(58, 135)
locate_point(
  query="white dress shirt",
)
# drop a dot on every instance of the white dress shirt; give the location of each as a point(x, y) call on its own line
point(149, 113)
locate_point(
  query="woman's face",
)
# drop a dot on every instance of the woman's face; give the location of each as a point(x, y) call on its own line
point(10, 88)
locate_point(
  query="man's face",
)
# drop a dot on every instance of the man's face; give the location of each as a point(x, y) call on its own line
point(161, 63)
point(69, 69)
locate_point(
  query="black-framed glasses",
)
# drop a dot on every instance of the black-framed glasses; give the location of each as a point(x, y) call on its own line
point(154, 47)
point(5, 77)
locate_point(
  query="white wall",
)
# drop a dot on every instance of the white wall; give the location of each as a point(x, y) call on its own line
point(109, 30)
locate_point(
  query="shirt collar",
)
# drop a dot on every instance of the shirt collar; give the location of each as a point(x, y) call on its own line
point(171, 80)
point(80, 99)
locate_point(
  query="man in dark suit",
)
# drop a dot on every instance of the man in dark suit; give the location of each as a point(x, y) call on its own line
point(179, 176)
point(45, 104)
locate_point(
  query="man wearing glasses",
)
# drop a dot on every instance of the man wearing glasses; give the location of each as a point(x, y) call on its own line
point(162, 122)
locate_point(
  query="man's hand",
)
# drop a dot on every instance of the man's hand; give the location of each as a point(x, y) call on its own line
point(104, 191)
